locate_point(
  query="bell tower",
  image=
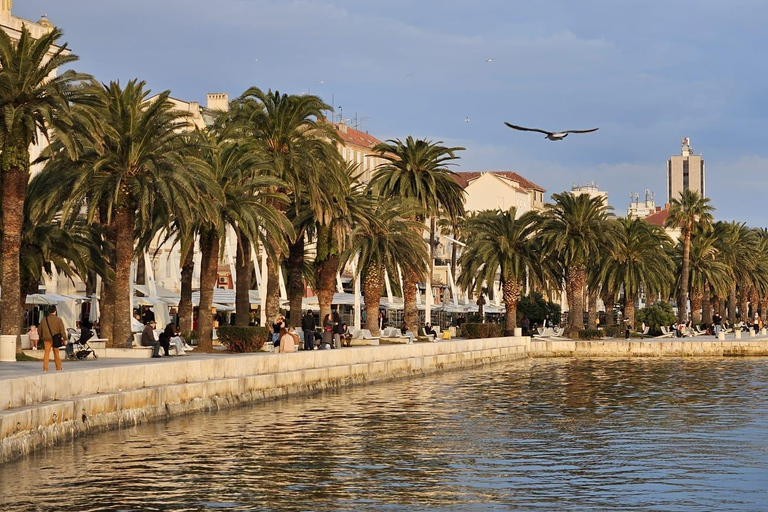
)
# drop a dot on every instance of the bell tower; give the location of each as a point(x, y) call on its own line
point(5, 10)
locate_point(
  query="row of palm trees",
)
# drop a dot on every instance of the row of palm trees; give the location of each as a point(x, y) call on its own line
point(125, 170)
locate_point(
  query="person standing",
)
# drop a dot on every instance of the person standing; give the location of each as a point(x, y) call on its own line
point(717, 320)
point(148, 338)
point(51, 326)
point(34, 336)
point(308, 326)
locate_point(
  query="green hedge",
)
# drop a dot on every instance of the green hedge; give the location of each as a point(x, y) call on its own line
point(590, 334)
point(614, 331)
point(243, 339)
point(487, 330)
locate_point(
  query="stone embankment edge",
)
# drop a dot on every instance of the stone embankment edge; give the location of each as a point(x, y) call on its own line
point(681, 347)
point(41, 410)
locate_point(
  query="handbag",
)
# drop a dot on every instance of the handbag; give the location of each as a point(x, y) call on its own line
point(56, 338)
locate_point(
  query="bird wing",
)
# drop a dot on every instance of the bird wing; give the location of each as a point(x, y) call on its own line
point(581, 131)
point(527, 129)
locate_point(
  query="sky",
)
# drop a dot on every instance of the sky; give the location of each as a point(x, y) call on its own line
point(647, 72)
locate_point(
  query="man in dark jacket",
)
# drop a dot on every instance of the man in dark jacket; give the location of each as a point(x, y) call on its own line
point(308, 325)
point(148, 338)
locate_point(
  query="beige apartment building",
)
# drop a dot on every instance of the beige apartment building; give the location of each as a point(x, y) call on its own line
point(685, 172)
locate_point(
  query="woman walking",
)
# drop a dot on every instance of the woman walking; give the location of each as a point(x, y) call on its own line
point(50, 327)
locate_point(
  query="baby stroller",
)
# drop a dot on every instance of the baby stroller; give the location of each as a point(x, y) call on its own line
point(78, 347)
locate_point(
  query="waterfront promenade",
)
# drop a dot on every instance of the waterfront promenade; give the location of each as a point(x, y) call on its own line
point(38, 409)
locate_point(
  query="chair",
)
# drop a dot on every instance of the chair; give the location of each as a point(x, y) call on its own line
point(665, 333)
point(423, 336)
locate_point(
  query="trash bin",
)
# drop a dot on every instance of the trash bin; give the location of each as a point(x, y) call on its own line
point(8, 348)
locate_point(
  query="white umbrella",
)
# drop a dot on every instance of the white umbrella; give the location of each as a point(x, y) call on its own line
point(93, 316)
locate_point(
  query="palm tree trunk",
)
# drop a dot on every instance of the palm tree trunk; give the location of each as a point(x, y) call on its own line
point(271, 302)
point(243, 273)
point(326, 284)
point(511, 292)
point(682, 296)
point(209, 265)
point(706, 304)
point(608, 302)
point(753, 298)
point(592, 306)
point(744, 303)
point(696, 301)
point(629, 309)
point(732, 304)
point(372, 287)
point(15, 178)
point(107, 302)
point(124, 225)
point(410, 311)
point(185, 298)
point(574, 284)
point(296, 279)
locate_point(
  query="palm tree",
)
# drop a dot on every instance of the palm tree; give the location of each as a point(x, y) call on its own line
point(380, 246)
point(636, 260)
point(244, 200)
point(298, 146)
point(416, 171)
point(133, 174)
point(571, 231)
point(499, 242)
point(706, 268)
point(736, 244)
point(684, 212)
point(33, 102)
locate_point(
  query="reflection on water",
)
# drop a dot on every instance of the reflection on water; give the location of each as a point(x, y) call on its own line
point(651, 434)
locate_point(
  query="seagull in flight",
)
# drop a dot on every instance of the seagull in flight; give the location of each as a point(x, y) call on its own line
point(550, 135)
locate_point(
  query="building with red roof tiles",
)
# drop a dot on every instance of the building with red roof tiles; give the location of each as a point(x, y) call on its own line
point(357, 147)
point(487, 190)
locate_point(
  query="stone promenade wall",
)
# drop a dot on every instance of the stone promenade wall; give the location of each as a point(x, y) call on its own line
point(680, 347)
point(42, 409)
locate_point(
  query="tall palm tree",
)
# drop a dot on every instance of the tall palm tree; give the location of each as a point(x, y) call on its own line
point(297, 144)
point(417, 171)
point(380, 246)
point(499, 242)
point(133, 173)
point(736, 244)
point(684, 212)
point(571, 230)
point(636, 260)
point(244, 199)
point(706, 268)
point(33, 102)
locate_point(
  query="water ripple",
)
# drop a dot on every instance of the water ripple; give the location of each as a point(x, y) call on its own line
point(560, 434)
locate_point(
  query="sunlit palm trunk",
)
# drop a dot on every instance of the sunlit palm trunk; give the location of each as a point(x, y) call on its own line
point(124, 225)
point(629, 310)
point(608, 302)
point(107, 301)
point(410, 311)
point(682, 296)
point(271, 302)
point(592, 307)
point(372, 288)
point(185, 299)
point(511, 292)
point(296, 280)
point(706, 305)
point(732, 304)
point(209, 265)
point(574, 286)
point(753, 299)
point(697, 299)
point(15, 177)
point(243, 271)
point(326, 284)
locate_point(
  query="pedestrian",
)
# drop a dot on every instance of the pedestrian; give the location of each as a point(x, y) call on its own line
point(308, 325)
point(34, 336)
point(52, 327)
point(717, 320)
point(148, 338)
point(287, 341)
point(277, 325)
point(627, 326)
